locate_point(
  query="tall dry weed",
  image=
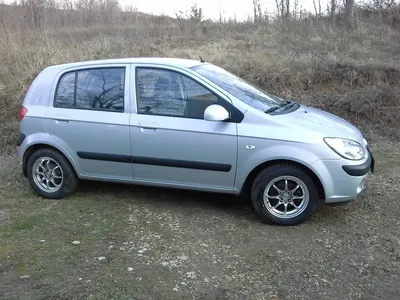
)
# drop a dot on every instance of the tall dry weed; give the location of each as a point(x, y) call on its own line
point(354, 73)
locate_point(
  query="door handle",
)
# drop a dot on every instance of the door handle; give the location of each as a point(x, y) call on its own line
point(148, 126)
point(61, 121)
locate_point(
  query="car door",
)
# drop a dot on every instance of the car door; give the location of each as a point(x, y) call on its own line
point(172, 144)
point(89, 118)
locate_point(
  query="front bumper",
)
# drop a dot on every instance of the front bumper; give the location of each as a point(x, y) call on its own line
point(362, 169)
point(343, 180)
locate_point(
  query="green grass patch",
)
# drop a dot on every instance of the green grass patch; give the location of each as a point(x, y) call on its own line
point(27, 223)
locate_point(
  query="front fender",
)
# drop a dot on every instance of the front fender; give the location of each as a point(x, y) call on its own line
point(249, 160)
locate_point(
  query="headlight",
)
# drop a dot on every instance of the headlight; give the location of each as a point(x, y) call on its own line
point(346, 148)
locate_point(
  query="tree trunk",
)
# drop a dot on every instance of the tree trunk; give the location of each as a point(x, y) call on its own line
point(348, 12)
point(315, 8)
point(255, 10)
point(287, 9)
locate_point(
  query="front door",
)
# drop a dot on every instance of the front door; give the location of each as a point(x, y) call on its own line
point(90, 120)
point(171, 142)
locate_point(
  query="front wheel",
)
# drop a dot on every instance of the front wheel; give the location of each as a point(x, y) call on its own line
point(284, 194)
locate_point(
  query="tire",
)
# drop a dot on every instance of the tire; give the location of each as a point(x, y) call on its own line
point(50, 174)
point(299, 190)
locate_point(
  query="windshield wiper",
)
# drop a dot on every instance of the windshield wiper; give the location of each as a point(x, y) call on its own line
point(284, 105)
point(272, 109)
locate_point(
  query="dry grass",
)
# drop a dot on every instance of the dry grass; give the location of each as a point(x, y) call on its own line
point(353, 251)
point(354, 73)
point(170, 244)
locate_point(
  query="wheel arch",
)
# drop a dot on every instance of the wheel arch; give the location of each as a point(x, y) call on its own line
point(246, 187)
point(35, 147)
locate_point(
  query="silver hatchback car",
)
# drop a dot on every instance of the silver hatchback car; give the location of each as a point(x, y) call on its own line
point(186, 124)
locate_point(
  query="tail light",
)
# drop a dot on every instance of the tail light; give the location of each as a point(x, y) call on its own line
point(22, 113)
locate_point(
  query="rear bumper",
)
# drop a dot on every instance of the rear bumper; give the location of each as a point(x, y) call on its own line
point(343, 180)
point(20, 139)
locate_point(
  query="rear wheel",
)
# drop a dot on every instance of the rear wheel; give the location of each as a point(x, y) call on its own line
point(284, 194)
point(50, 174)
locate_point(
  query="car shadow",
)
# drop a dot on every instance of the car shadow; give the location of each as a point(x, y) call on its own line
point(171, 198)
point(190, 202)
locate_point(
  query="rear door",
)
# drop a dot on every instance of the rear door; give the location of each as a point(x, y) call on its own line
point(89, 117)
point(171, 142)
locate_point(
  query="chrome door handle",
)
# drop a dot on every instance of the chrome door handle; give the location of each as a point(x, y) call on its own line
point(61, 121)
point(148, 126)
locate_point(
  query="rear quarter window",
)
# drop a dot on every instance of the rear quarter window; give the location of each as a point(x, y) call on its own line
point(65, 91)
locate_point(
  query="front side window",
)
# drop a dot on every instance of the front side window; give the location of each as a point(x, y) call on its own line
point(168, 93)
point(94, 89)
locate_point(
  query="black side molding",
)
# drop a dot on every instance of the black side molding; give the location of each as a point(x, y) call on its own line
point(358, 170)
point(181, 164)
point(105, 157)
point(21, 139)
point(156, 161)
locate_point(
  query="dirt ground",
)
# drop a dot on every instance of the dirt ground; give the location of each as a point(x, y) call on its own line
point(111, 241)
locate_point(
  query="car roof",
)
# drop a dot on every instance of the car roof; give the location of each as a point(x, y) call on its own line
point(175, 62)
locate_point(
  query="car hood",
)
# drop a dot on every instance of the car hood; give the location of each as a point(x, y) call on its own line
point(326, 123)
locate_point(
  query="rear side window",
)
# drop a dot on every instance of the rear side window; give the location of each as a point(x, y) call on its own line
point(94, 89)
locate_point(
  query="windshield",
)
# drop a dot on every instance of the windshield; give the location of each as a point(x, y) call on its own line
point(239, 88)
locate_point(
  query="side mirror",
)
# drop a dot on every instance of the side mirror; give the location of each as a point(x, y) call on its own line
point(216, 112)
